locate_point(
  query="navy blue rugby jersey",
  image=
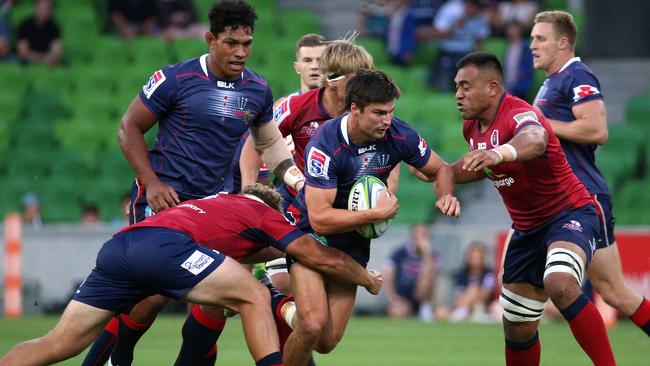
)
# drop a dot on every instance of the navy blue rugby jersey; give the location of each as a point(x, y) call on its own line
point(201, 120)
point(573, 84)
point(332, 160)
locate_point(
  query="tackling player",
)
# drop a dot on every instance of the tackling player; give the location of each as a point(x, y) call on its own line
point(555, 223)
point(572, 103)
point(366, 141)
point(202, 106)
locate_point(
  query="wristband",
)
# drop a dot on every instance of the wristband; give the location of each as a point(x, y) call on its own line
point(512, 150)
point(498, 153)
point(292, 176)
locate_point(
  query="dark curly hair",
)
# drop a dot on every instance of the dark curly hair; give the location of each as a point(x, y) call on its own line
point(231, 13)
point(266, 194)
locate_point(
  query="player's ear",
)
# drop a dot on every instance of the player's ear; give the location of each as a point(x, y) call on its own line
point(209, 38)
point(295, 67)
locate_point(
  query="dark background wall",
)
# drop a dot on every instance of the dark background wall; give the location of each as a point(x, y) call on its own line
point(616, 28)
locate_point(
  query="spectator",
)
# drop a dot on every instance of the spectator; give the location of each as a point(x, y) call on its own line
point(5, 33)
point(178, 19)
point(520, 11)
point(408, 276)
point(474, 285)
point(130, 18)
point(90, 215)
point(32, 210)
point(518, 63)
point(373, 18)
point(401, 34)
point(460, 26)
point(39, 36)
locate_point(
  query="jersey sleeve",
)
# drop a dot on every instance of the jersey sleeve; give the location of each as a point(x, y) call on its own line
point(583, 87)
point(283, 117)
point(266, 112)
point(415, 149)
point(522, 117)
point(320, 167)
point(277, 231)
point(158, 95)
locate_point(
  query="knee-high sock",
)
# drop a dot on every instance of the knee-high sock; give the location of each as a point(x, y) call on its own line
point(523, 354)
point(641, 316)
point(129, 334)
point(103, 345)
point(272, 359)
point(589, 330)
point(200, 334)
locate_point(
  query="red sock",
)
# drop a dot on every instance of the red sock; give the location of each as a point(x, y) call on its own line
point(589, 330)
point(284, 330)
point(113, 326)
point(523, 354)
point(641, 316)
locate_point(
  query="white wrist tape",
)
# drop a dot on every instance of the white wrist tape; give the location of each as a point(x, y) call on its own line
point(498, 153)
point(292, 176)
point(512, 150)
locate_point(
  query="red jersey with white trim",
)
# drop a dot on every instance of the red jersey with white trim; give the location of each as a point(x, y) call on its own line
point(234, 225)
point(536, 190)
point(300, 116)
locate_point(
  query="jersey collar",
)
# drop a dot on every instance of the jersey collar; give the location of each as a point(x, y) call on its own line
point(344, 128)
point(571, 60)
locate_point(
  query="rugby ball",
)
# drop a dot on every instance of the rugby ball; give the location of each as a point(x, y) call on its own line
point(363, 196)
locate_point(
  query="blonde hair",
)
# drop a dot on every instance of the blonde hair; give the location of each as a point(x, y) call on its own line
point(562, 23)
point(266, 194)
point(343, 57)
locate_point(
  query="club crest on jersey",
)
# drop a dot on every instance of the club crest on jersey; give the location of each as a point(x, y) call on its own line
point(422, 146)
point(494, 138)
point(242, 102)
point(154, 82)
point(573, 225)
point(583, 91)
point(310, 130)
point(383, 159)
point(197, 262)
point(529, 116)
point(317, 163)
point(225, 84)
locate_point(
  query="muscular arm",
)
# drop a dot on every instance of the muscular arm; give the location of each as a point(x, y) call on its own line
point(276, 154)
point(249, 163)
point(589, 127)
point(442, 176)
point(393, 180)
point(135, 123)
point(325, 219)
point(331, 262)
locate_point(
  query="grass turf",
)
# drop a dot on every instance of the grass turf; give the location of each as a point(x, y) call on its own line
point(371, 341)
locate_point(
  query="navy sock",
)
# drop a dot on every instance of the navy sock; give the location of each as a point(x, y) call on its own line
point(200, 334)
point(272, 359)
point(103, 345)
point(129, 334)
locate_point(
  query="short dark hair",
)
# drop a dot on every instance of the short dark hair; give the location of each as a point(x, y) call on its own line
point(370, 86)
point(484, 61)
point(266, 194)
point(310, 40)
point(231, 13)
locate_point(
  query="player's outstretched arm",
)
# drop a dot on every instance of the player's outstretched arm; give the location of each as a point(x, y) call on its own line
point(137, 120)
point(442, 176)
point(249, 163)
point(326, 220)
point(334, 263)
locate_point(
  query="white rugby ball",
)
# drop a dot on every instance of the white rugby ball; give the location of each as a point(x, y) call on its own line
point(363, 196)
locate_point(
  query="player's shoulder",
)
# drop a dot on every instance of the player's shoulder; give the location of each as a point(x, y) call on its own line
point(251, 77)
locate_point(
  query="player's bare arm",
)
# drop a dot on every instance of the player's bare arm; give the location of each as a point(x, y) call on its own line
point(442, 176)
point(589, 127)
point(393, 180)
point(276, 154)
point(333, 263)
point(249, 163)
point(528, 143)
point(326, 220)
point(265, 255)
point(137, 120)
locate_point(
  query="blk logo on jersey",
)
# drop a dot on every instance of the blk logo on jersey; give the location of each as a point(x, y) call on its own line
point(583, 91)
point(197, 262)
point(362, 150)
point(317, 163)
point(154, 82)
point(225, 84)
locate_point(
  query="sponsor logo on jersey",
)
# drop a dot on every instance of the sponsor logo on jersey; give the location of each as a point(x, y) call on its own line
point(494, 138)
point(583, 91)
point(573, 225)
point(154, 82)
point(282, 110)
point(481, 145)
point(506, 182)
point(318, 163)
point(192, 207)
point(422, 146)
point(197, 262)
point(372, 147)
point(225, 84)
point(529, 116)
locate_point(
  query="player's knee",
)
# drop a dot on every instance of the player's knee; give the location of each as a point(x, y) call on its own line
point(563, 275)
point(520, 309)
point(326, 344)
point(312, 327)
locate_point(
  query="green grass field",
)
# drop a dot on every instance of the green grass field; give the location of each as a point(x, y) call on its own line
point(373, 341)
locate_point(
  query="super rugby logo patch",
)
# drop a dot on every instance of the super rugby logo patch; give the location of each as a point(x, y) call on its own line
point(529, 116)
point(317, 163)
point(154, 82)
point(197, 262)
point(583, 91)
point(282, 110)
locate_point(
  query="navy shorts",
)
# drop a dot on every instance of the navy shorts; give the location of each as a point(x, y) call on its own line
point(526, 256)
point(139, 207)
point(603, 204)
point(142, 262)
